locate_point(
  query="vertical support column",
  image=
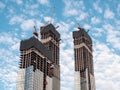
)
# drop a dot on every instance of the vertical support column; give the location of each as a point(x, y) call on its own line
point(45, 74)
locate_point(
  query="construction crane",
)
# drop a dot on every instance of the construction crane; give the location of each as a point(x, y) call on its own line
point(88, 30)
point(79, 26)
point(56, 27)
point(35, 32)
point(52, 14)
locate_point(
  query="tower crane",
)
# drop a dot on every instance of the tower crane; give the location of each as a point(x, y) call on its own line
point(35, 32)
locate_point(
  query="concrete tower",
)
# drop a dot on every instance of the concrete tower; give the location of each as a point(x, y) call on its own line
point(84, 71)
point(39, 64)
point(50, 38)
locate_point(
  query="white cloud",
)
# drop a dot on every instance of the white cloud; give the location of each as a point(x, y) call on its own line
point(32, 12)
point(82, 16)
point(8, 68)
point(2, 5)
point(19, 2)
point(16, 46)
point(107, 63)
point(31, 9)
point(67, 63)
point(98, 32)
point(95, 20)
point(108, 14)
point(43, 2)
point(38, 23)
point(34, 6)
point(113, 36)
point(72, 8)
point(15, 20)
point(117, 22)
point(96, 7)
point(6, 38)
point(27, 24)
point(118, 9)
point(64, 27)
point(66, 56)
point(9, 60)
point(48, 19)
point(72, 12)
point(86, 26)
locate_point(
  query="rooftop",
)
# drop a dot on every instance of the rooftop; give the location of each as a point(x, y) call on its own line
point(34, 42)
point(51, 28)
point(81, 32)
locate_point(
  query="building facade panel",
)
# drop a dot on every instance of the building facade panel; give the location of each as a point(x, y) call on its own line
point(92, 79)
point(38, 80)
point(77, 80)
point(49, 82)
point(56, 83)
point(20, 79)
point(29, 78)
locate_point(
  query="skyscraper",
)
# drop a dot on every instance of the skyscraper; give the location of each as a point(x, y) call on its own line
point(39, 64)
point(84, 71)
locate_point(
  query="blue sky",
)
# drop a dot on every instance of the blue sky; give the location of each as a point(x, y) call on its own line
point(101, 17)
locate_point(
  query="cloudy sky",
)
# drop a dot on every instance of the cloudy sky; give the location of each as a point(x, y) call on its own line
point(101, 17)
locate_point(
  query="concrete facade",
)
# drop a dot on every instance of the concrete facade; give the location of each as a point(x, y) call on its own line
point(84, 70)
point(39, 61)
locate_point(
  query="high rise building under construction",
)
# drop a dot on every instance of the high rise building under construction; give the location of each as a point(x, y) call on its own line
point(84, 71)
point(39, 61)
